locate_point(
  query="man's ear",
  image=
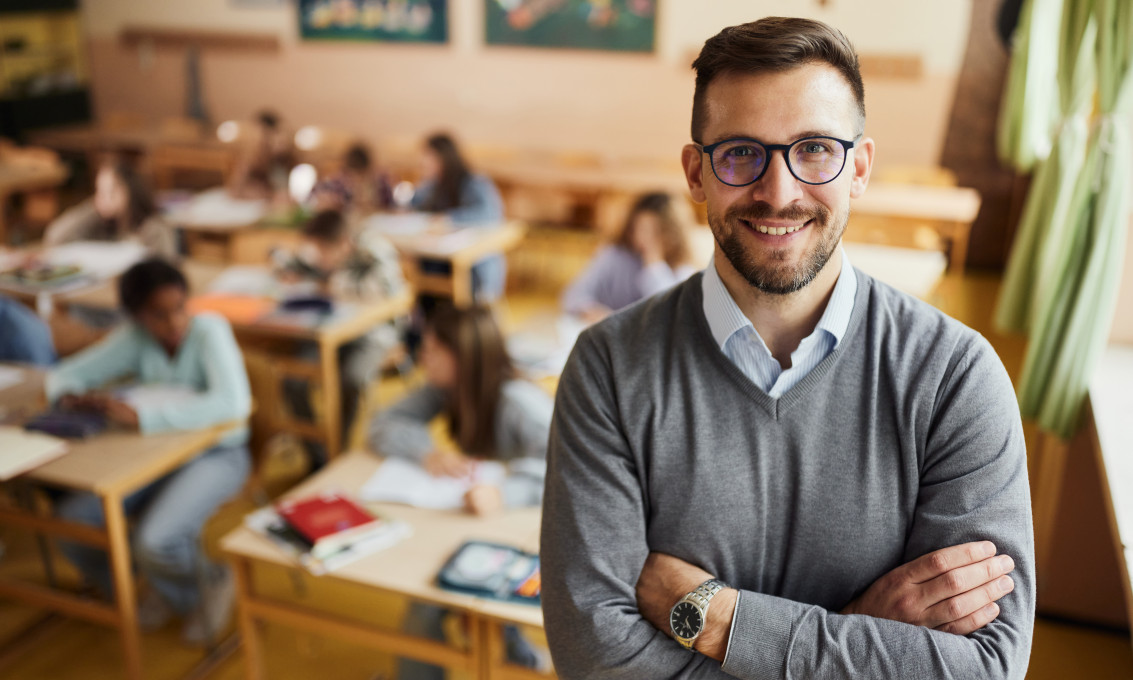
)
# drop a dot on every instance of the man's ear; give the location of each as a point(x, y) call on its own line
point(692, 161)
point(863, 165)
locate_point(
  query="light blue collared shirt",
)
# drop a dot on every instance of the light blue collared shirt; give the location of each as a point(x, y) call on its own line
point(741, 343)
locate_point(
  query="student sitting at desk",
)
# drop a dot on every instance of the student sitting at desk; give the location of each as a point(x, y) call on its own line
point(367, 268)
point(359, 187)
point(122, 207)
point(449, 187)
point(263, 170)
point(163, 344)
point(490, 413)
point(651, 255)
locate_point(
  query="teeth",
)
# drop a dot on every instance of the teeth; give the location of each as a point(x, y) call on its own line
point(762, 229)
point(776, 231)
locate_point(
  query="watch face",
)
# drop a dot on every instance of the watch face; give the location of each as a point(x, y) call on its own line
point(685, 620)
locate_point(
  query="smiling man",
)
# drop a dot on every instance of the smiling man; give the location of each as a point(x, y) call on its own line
point(783, 465)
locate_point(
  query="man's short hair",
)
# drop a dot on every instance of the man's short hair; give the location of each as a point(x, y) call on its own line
point(327, 226)
point(773, 44)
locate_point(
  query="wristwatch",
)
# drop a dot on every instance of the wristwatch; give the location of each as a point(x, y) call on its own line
point(687, 617)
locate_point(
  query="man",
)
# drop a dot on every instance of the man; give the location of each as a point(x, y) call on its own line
point(791, 468)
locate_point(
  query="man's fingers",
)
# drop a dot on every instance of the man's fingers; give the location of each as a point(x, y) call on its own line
point(964, 579)
point(973, 622)
point(944, 560)
point(967, 604)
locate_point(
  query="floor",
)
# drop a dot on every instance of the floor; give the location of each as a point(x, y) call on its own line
point(88, 652)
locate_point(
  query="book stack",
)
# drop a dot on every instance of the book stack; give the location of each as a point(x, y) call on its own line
point(326, 531)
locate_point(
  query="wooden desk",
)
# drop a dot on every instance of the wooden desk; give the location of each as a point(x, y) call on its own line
point(17, 178)
point(220, 229)
point(407, 569)
point(461, 248)
point(890, 214)
point(111, 465)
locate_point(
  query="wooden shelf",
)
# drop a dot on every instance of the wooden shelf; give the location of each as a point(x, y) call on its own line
point(133, 36)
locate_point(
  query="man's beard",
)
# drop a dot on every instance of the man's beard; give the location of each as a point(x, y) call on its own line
point(777, 278)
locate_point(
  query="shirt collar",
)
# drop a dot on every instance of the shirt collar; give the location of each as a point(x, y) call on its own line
point(725, 318)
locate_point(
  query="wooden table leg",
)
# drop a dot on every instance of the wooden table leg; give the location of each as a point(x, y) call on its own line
point(249, 627)
point(491, 649)
point(123, 576)
point(462, 283)
point(332, 397)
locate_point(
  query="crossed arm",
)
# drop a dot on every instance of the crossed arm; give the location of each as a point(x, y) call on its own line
point(606, 597)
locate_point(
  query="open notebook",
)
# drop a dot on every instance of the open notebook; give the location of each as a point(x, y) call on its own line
point(400, 481)
point(21, 451)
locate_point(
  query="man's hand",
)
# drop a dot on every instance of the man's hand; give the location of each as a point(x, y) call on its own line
point(666, 579)
point(953, 589)
point(120, 413)
point(447, 464)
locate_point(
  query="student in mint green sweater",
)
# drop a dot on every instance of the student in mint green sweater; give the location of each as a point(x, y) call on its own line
point(163, 344)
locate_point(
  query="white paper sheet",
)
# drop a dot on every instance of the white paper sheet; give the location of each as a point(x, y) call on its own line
point(215, 208)
point(100, 259)
point(21, 451)
point(156, 395)
point(10, 377)
point(400, 481)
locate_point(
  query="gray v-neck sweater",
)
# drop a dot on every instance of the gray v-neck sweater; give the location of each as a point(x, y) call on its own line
point(905, 439)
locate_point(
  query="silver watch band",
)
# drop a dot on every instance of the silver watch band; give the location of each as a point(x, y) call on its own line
point(702, 598)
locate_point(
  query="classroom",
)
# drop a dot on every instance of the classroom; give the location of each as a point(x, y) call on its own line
point(520, 339)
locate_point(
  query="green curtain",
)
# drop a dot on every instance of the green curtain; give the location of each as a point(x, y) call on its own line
point(1030, 103)
point(1066, 264)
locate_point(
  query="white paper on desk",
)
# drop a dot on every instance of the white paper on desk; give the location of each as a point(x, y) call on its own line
point(216, 208)
point(10, 377)
point(400, 481)
point(404, 224)
point(21, 451)
point(156, 395)
point(447, 244)
point(244, 280)
point(100, 259)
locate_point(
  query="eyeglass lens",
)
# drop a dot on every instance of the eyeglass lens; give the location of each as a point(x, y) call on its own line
point(814, 160)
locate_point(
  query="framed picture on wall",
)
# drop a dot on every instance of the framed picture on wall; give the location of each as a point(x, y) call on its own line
point(375, 20)
point(622, 25)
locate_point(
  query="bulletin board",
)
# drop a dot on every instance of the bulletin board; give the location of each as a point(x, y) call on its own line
point(374, 20)
point(618, 25)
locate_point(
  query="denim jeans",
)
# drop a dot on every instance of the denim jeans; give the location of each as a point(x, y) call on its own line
point(426, 620)
point(170, 512)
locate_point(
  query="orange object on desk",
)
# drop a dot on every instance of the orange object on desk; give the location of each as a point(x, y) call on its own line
point(235, 308)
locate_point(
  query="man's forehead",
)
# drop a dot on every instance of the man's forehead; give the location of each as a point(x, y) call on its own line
point(809, 99)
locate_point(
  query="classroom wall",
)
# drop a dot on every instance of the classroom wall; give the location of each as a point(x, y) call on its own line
point(613, 104)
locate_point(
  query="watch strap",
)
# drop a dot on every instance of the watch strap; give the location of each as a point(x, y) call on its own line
point(701, 596)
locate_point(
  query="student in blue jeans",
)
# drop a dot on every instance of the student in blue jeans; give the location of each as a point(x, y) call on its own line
point(163, 344)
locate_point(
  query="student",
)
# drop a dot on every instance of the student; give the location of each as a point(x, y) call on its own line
point(491, 413)
point(342, 266)
point(122, 208)
point(359, 187)
point(162, 343)
point(265, 167)
point(24, 338)
point(449, 187)
point(651, 255)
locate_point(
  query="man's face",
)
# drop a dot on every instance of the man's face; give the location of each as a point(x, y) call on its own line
point(779, 108)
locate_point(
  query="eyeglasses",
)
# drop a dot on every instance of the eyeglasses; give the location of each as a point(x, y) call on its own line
point(740, 161)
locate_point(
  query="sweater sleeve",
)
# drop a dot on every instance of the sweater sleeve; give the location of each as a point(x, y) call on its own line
point(974, 486)
point(479, 202)
point(593, 540)
point(227, 396)
point(112, 358)
point(402, 430)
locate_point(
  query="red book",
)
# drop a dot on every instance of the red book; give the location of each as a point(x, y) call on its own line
point(329, 521)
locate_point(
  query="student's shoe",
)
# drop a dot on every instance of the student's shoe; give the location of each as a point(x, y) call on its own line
point(205, 623)
point(153, 612)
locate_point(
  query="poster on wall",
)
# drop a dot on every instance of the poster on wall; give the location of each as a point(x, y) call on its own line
point(376, 20)
point(623, 25)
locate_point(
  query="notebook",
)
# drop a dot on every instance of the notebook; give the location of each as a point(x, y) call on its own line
point(21, 451)
point(67, 424)
point(327, 522)
point(401, 481)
